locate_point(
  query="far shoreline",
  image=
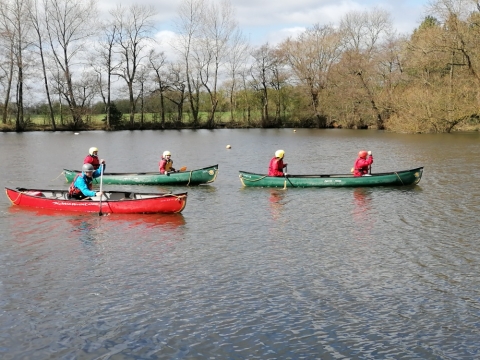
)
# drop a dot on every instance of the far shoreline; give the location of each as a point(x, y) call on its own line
point(39, 128)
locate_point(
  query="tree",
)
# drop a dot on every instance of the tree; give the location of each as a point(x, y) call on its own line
point(236, 61)
point(158, 62)
point(177, 87)
point(70, 24)
point(211, 48)
point(442, 61)
point(311, 57)
point(14, 16)
point(188, 23)
point(7, 67)
point(262, 73)
point(135, 26)
point(361, 34)
point(36, 17)
point(105, 62)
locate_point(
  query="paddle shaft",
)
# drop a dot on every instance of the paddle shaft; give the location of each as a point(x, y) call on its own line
point(101, 195)
point(286, 177)
point(183, 168)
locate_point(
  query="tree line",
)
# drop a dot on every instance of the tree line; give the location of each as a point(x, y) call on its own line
point(359, 73)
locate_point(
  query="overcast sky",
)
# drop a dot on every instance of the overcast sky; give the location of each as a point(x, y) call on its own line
point(274, 20)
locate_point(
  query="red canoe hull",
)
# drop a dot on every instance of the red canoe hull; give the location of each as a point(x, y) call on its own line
point(150, 203)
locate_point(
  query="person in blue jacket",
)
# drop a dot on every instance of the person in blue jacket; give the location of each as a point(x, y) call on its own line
point(81, 187)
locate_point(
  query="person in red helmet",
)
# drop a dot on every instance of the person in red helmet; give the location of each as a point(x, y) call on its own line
point(275, 168)
point(362, 164)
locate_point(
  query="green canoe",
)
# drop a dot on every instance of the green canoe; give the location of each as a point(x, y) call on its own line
point(395, 178)
point(185, 178)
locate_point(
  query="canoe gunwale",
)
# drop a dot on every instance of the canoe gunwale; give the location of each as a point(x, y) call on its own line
point(142, 173)
point(334, 175)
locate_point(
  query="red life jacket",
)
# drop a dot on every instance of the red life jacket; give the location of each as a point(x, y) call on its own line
point(92, 160)
point(361, 166)
point(75, 192)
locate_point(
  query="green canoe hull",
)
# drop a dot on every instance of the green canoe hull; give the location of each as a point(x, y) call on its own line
point(184, 178)
point(396, 178)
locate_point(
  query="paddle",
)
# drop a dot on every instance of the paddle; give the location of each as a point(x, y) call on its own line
point(286, 178)
point(370, 166)
point(101, 195)
point(181, 169)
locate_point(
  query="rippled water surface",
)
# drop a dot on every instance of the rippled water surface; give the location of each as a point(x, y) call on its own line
point(367, 273)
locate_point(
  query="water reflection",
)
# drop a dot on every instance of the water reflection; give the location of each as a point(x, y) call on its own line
point(277, 202)
point(149, 220)
point(362, 212)
point(143, 226)
point(39, 224)
point(165, 221)
point(362, 200)
point(85, 229)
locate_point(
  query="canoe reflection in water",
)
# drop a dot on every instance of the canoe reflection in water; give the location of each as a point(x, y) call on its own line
point(362, 213)
point(116, 238)
point(42, 225)
point(131, 220)
point(163, 221)
point(276, 203)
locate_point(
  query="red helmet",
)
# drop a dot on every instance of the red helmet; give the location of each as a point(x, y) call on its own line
point(362, 154)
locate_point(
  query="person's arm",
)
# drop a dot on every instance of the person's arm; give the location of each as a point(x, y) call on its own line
point(98, 172)
point(369, 160)
point(82, 186)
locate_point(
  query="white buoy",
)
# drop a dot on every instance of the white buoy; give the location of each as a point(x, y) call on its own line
point(77, 133)
point(229, 147)
point(294, 130)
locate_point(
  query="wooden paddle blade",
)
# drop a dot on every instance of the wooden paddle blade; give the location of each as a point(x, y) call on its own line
point(183, 168)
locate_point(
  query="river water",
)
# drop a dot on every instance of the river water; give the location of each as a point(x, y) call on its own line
point(345, 273)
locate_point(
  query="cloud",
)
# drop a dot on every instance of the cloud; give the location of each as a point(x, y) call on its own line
point(275, 20)
point(164, 38)
point(274, 23)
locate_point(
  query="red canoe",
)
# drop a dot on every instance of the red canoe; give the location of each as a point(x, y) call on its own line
point(115, 202)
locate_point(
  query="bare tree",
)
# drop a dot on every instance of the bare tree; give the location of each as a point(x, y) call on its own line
point(7, 67)
point(135, 26)
point(70, 24)
point(361, 33)
point(236, 59)
point(262, 71)
point(188, 23)
point(105, 62)
point(143, 75)
point(177, 84)
point(211, 48)
point(158, 62)
point(14, 16)
point(311, 57)
point(36, 18)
